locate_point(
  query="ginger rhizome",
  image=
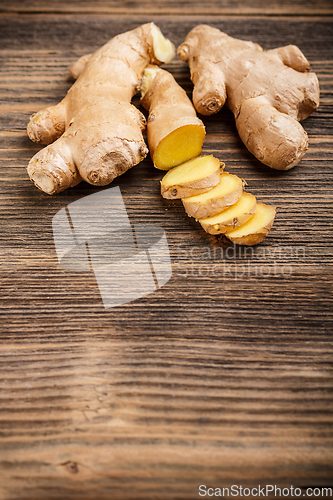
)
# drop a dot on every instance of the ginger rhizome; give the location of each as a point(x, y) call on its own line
point(217, 200)
point(95, 133)
point(174, 132)
point(269, 92)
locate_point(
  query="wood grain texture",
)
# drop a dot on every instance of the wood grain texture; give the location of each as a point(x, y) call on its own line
point(221, 377)
point(172, 7)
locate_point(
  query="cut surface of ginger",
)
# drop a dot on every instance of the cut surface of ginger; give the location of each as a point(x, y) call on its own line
point(255, 230)
point(164, 50)
point(226, 193)
point(232, 217)
point(148, 75)
point(192, 177)
point(179, 146)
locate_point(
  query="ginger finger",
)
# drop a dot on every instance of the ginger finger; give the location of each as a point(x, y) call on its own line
point(63, 174)
point(293, 57)
point(47, 125)
point(263, 129)
point(76, 69)
point(175, 134)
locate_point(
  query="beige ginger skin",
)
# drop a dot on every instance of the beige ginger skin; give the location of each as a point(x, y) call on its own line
point(269, 92)
point(174, 132)
point(95, 133)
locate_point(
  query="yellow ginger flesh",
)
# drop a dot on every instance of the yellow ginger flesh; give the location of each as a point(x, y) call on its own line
point(192, 177)
point(223, 208)
point(164, 49)
point(175, 134)
point(179, 146)
point(256, 228)
point(226, 193)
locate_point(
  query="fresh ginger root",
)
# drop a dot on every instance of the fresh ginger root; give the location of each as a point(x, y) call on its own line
point(95, 133)
point(174, 132)
point(269, 92)
point(222, 207)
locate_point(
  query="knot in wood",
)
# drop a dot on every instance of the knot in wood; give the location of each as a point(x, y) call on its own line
point(71, 466)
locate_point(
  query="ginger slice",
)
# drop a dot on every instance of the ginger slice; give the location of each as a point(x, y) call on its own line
point(175, 134)
point(226, 193)
point(256, 229)
point(192, 177)
point(232, 217)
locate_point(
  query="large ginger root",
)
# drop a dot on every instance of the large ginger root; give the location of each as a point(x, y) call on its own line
point(174, 132)
point(222, 207)
point(269, 92)
point(97, 132)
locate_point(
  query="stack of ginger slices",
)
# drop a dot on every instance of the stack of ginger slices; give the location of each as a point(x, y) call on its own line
point(218, 201)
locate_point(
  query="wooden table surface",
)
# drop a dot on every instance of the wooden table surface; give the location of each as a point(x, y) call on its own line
point(221, 377)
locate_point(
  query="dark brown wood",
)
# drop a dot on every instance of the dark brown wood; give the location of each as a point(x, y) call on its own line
point(223, 376)
point(173, 7)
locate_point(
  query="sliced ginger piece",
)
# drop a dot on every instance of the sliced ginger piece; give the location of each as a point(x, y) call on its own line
point(174, 132)
point(192, 177)
point(226, 193)
point(256, 229)
point(232, 217)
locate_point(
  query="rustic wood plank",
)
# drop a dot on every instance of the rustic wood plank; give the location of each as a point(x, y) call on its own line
point(173, 7)
point(82, 33)
point(221, 377)
point(166, 416)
